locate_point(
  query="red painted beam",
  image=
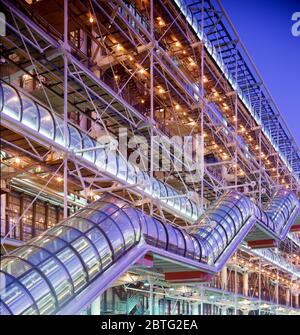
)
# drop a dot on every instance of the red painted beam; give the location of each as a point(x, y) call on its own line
point(262, 244)
point(295, 228)
point(188, 276)
point(147, 261)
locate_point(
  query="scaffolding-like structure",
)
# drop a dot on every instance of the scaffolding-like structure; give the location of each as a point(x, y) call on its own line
point(170, 86)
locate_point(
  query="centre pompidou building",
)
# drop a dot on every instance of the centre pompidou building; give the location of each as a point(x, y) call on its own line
point(145, 168)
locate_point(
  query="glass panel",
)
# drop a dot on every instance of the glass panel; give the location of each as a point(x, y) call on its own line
point(177, 203)
point(170, 192)
point(3, 309)
point(122, 168)
point(221, 216)
point(32, 254)
point(46, 123)
point(14, 266)
point(59, 135)
point(150, 230)
point(172, 238)
point(79, 223)
point(87, 144)
point(75, 139)
point(74, 267)
point(66, 233)
point(101, 158)
point(123, 222)
point(89, 256)
point(134, 216)
point(12, 104)
point(51, 244)
point(101, 244)
point(110, 229)
point(132, 174)
point(162, 236)
point(40, 292)
point(197, 251)
point(18, 301)
point(180, 242)
point(58, 277)
point(111, 166)
point(30, 116)
point(189, 246)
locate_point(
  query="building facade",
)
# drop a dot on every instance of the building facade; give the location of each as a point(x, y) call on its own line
point(145, 168)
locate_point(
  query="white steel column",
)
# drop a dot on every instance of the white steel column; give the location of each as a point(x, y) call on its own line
point(65, 106)
point(2, 214)
point(194, 306)
point(224, 277)
point(287, 297)
point(96, 306)
point(246, 283)
point(201, 298)
point(150, 296)
point(151, 95)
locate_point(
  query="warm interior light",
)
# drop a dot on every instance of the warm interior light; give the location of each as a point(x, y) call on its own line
point(59, 179)
point(18, 160)
point(177, 106)
point(91, 19)
point(119, 47)
point(142, 71)
point(161, 22)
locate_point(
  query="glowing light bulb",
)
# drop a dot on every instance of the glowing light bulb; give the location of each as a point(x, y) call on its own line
point(142, 71)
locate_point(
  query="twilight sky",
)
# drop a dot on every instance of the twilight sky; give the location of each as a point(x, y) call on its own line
point(265, 29)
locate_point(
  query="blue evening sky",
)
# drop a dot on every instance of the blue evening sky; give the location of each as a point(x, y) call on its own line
point(265, 29)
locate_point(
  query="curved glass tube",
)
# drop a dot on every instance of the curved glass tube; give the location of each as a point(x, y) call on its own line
point(38, 118)
point(278, 213)
point(45, 274)
point(23, 109)
point(221, 223)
